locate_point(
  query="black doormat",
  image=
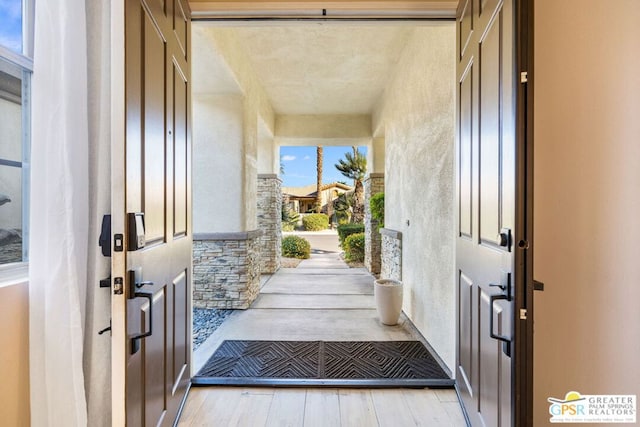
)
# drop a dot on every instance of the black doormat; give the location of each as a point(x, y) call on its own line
point(323, 363)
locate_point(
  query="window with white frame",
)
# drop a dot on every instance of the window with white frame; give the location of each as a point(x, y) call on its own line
point(16, 29)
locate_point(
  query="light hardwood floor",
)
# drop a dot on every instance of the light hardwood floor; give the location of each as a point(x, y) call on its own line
point(248, 407)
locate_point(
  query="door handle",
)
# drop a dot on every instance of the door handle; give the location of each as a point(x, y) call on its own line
point(492, 299)
point(135, 340)
point(134, 284)
point(504, 238)
point(145, 283)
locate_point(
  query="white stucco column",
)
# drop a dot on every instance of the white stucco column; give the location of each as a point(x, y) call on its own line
point(269, 201)
point(268, 150)
point(227, 122)
point(250, 172)
point(218, 163)
point(375, 156)
point(373, 184)
point(226, 247)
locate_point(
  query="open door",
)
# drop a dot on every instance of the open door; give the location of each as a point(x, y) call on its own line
point(152, 255)
point(492, 343)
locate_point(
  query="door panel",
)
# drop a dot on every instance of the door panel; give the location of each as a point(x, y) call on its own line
point(466, 152)
point(153, 350)
point(485, 187)
point(488, 366)
point(465, 27)
point(180, 26)
point(465, 333)
point(158, 151)
point(490, 133)
point(153, 144)
point(180, 333)
point(486, 7)
point(180, 95)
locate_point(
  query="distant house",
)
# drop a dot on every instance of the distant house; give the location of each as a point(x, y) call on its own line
point(303, 199)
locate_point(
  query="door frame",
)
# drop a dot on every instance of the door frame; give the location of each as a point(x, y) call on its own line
point(522, 377)
point(118, 204)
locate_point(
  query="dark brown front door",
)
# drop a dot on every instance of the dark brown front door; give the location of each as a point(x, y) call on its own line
point(157, 183)
point(486, 190)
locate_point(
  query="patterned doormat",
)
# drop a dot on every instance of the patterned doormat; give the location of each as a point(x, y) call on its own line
point(323, 363)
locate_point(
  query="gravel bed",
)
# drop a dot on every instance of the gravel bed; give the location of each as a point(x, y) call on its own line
point(205, 322)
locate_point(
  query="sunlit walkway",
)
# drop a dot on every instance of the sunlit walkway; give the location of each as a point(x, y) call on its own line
point(321, 299)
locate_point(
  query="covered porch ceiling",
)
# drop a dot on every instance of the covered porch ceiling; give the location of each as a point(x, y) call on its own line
point(324, 80)
point(310, 68)
point(323, 69)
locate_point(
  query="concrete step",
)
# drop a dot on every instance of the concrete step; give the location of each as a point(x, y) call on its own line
point(320, 284)
point(311, 301)
point(324, 271)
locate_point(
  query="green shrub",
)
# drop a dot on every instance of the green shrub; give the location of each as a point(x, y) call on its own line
point(315, 222)
point(346, 230)
point(288, 227)
point(376, 203)
point(296, 247)
point(290, 218)
point(354, 247)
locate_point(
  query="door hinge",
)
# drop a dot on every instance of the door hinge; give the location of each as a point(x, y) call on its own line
point(523, 314)
point(524, 77)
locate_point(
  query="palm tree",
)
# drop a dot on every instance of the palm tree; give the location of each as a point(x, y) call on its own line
point(354, 166)
point(319, 160)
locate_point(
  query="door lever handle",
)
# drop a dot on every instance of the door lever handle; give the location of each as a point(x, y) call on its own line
point(503, 287)
point(135, 340)
point(135, 283)
point(134, 293)
point(493, 299)
point(145, 283)
point(506, 341)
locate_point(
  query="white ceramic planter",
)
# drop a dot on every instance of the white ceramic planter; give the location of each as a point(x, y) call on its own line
point(388, 295)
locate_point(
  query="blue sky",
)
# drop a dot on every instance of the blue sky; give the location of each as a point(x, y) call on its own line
point(11, 24)
point(300, 165)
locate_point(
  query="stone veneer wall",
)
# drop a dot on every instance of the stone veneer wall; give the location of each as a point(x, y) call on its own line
point(372, 238)
point(269, 222)
point(226, 269)
point(391, 254)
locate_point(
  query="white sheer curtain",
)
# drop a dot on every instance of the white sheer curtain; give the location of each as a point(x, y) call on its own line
point(59, 214)
point(97, 354)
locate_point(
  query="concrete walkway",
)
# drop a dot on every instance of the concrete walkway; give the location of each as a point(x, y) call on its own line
point(321, 299)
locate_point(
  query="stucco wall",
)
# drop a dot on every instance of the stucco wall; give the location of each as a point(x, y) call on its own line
point(255, 112)
point(418, 115)
point(218, 163)
point(587, 199)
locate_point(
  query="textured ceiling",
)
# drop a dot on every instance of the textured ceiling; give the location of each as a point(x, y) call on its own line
point(320, 68)
point(323, 69)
